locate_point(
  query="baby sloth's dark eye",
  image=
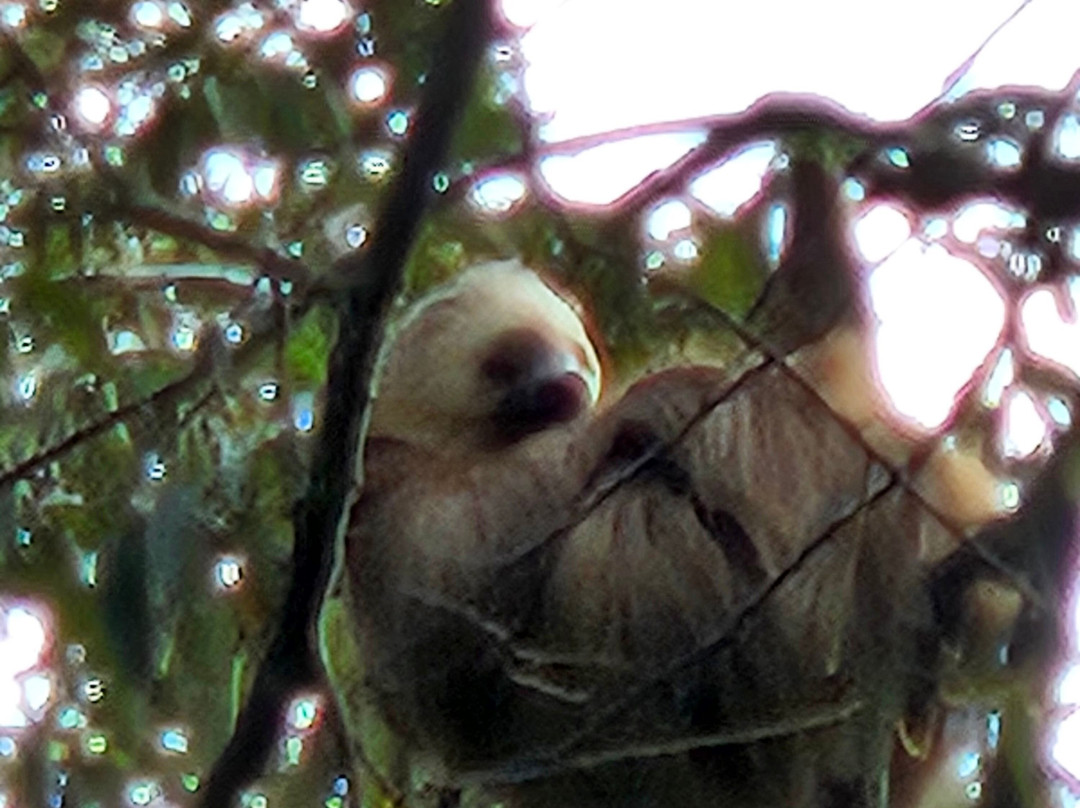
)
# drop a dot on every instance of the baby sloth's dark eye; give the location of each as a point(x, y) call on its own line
point(535, 384)
point(514, 357)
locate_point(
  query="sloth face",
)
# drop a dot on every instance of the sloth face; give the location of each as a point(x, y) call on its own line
point(492, 359)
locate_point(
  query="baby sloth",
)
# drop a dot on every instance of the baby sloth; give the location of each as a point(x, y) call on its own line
point(705, 593)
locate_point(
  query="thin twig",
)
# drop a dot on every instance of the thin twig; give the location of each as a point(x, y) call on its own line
point(957, 74)
point(267, 260)
point(90, 431)
point(808, 720)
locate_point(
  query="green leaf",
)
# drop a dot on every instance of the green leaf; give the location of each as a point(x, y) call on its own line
point(66, 311)
point(729, 275)
point(44, 47)
point(307, 350)
point(488, 129)
point(60, 256)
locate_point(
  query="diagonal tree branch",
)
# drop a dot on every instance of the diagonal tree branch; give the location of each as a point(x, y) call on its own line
point(187, 388)
point(164, 395)
point(372, 281)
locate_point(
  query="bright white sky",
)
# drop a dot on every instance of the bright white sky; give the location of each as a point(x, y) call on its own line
point(686, 58)
point(600, 65)
point(25, 633)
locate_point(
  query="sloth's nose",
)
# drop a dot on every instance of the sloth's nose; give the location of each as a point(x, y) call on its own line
point(536, 384)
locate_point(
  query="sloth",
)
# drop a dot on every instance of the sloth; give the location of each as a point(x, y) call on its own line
point(701, 592)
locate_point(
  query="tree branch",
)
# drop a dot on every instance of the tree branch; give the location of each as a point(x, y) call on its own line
point(270, 262)
point(937, 177)
point(373, 280)
point(155, 401)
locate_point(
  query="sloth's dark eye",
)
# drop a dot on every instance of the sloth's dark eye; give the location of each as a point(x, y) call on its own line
point(517, 357)
point(532, 386)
